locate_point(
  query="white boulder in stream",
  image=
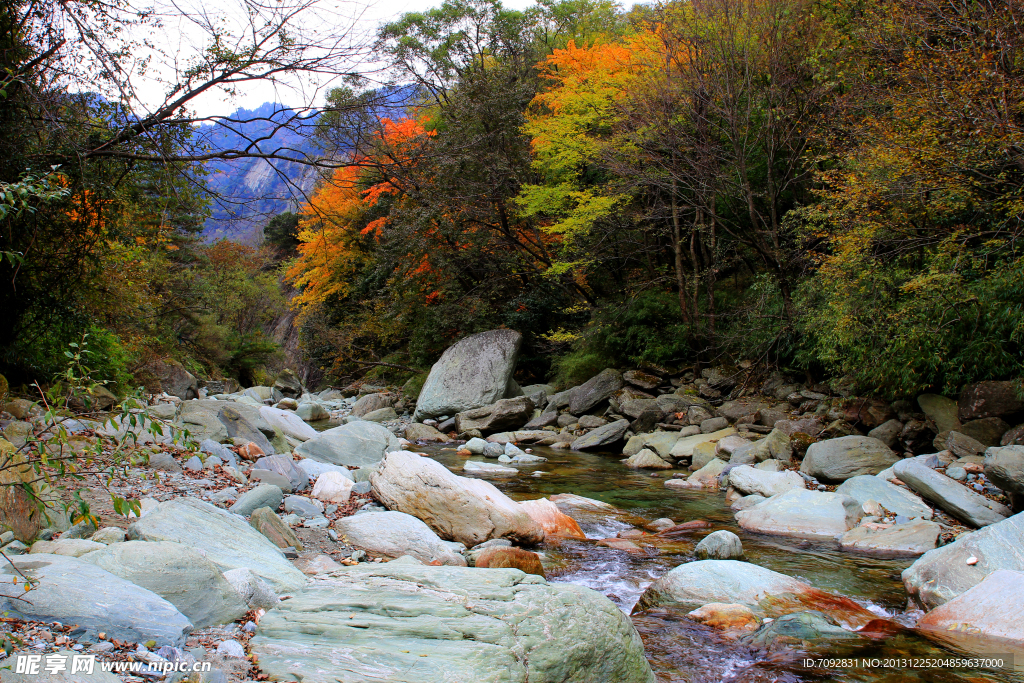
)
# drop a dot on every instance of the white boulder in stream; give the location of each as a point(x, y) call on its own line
point(360, 443)
point(393, 534)
point(474, 372)
point(415, 624)
point(765, 592)
point(800, 513)
point(72, 591)
point(461, 509)
point(224, 538)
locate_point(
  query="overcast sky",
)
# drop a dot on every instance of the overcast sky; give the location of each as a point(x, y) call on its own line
point(181, 39)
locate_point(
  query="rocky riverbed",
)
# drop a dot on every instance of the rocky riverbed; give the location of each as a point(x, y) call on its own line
point(645, 525)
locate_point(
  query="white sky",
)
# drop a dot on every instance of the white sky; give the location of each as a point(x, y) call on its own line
point(182, 39)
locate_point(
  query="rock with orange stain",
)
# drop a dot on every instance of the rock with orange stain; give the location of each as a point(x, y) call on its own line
point(250, 451)
point(621, 544)
point(766, 593)
point(552, 520)
point(728, 617)
point(504, 557)
point(991, 609)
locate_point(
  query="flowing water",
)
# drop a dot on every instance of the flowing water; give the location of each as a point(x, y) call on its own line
point(680, 650)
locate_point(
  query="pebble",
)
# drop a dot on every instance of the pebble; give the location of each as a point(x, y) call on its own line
point(231, 648)
point(333, 535)
point(194, 464)
point(358, 556)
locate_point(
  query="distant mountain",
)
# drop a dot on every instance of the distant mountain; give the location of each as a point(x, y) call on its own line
point(249, 192)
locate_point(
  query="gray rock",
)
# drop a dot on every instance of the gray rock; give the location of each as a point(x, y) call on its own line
point(242, 422)
point(941, 411)
point(866, 487)
point(286, 467)
point(194, 464)
point(472, 373)
point(957, 500)
point(225, 539)
point(302, 506)
point(72, 591)
point(382, 415)
point(461, 509)
point(476, 446)
point(836, 460)
point(212, 462)
point(108, 535)
point(398, 621)
point(264, 495)
point(288, 423)
point(361, 487)
point(803, 627)
point(253, 590)
point(360, 443)
point(371, 403)
point(749, 480)
point(991, 610)
point(394, 534)
point(493, 450)
point(179, 575)
point(288, 384)
point(746, 502)
point(713, 425)
point(272, 478)
point(988, 430)
point(887, 432)
point(962, 446)
point(596, 389)
point(647, 459)
point(542, 420)
point(416, 432)
point(504, 414)
point(163, 462)
point(901, 540)
point(799, 513)
point(314, 468)
point(720, 545)
point(940, 575)
point(1005, 468)
point(312, 412)
point(486, 469)
point(602, 437)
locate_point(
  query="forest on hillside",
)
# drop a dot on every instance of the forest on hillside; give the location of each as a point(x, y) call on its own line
point(829, 187)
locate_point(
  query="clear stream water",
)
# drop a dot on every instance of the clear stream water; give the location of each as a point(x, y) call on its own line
point(680, 650)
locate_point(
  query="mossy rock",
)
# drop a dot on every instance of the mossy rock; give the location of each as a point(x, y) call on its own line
point(4, 387)
point(411, 389)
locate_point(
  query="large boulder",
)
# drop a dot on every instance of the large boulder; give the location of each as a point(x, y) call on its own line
point(371, 402)
point(990, 399)
point(72, 591)
point(202, 422)
point(836, 460)
point(1005, 468)
point(472, 373)
point(956, 499)
point(748, 480)
point(800, 513)
point(766, 593)
point(602, 437)
point(180, 575)
point(992, 609)
point(505, 414)
point(288, 423)
point(288, 384)
point(171, 377)
point(596, 389)
point(359, 443)
point(940, 575)
point(941, 411)
point(393, 534)
point(402, 622)
point(461, 509)
point(867, 487)
point(225, 539)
